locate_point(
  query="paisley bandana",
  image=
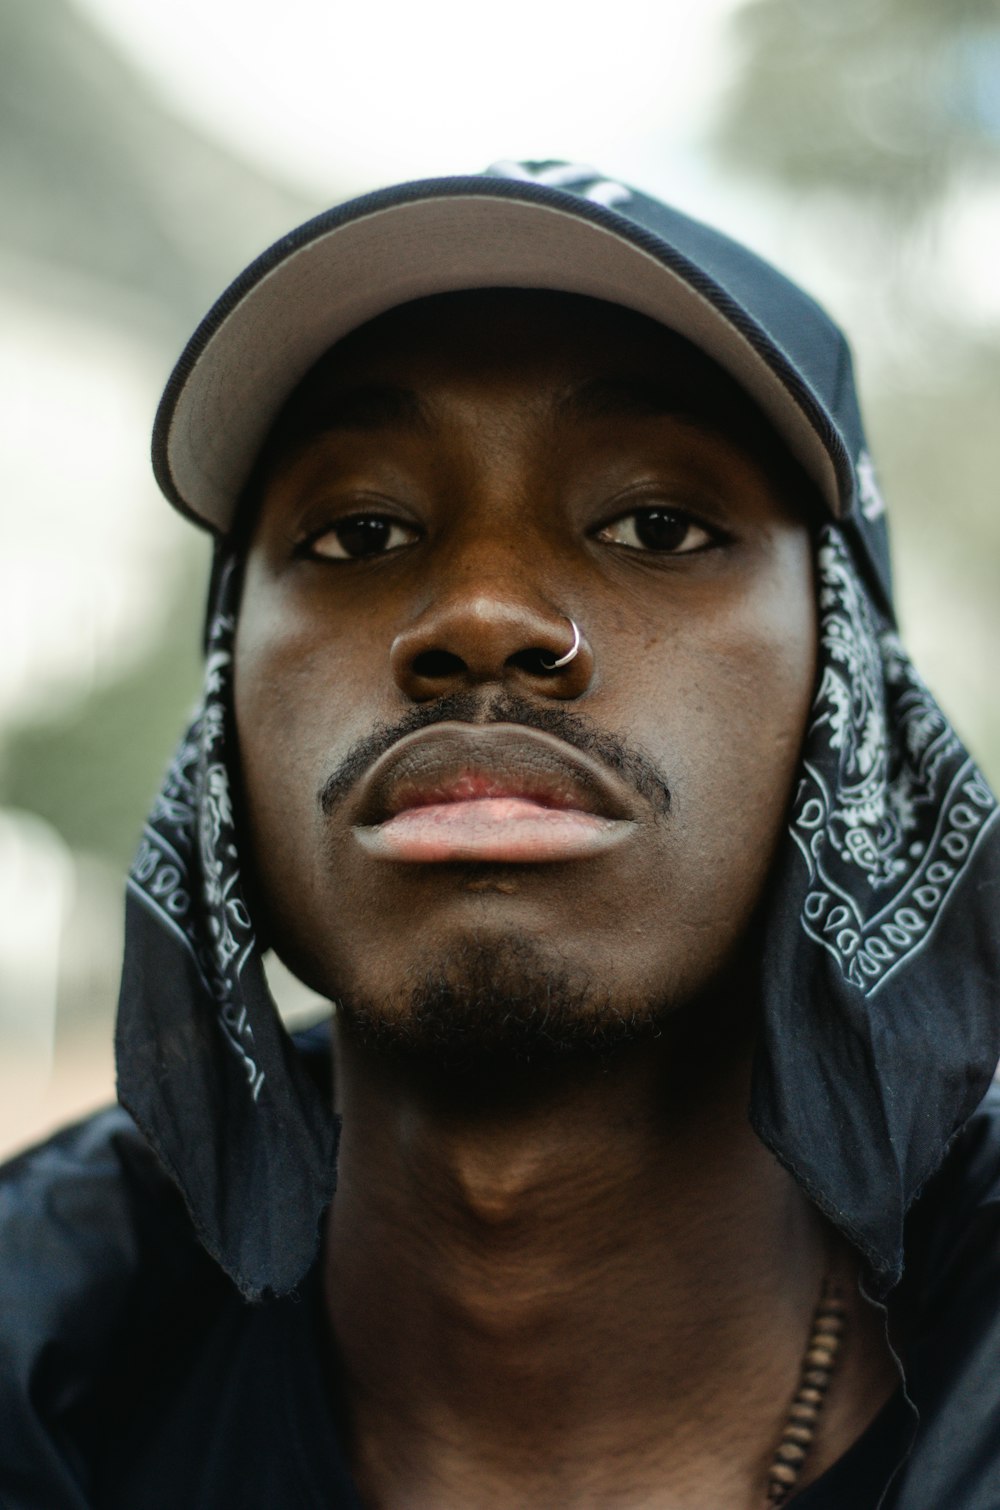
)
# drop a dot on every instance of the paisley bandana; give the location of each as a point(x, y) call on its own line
point(881, 963)
point(879, 973)
point(204, 1063)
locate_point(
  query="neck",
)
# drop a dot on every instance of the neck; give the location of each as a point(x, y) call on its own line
point(544, 1296)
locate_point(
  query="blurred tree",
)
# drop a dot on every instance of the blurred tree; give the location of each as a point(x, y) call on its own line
point(879, 121)
point(99, 176)
point(115, 205)
point(91, 768)
point(891, 100)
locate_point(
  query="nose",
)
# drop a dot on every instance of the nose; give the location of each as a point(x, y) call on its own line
point(471, 640)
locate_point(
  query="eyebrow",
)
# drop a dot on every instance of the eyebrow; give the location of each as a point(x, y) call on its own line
point(376, 406)
point(371, 406)
point(635, 398)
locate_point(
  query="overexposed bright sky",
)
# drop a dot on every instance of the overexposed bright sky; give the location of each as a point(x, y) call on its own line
point(339, 98)
point(360, 94)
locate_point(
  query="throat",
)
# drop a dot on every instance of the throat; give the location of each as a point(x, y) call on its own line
point(577, 1281)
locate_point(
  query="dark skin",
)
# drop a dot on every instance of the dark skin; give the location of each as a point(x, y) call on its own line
point(574, 1277)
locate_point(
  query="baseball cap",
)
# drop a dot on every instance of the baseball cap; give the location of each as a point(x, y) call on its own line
point(539, 225)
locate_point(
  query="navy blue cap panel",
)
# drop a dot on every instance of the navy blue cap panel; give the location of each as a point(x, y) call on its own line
point(817, 358)
point(814, 345)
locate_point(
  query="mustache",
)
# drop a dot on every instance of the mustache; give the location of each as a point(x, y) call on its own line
point(627, 761)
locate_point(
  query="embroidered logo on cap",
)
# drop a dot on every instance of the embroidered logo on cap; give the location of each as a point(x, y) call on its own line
point(578, 177)
point(869, 493)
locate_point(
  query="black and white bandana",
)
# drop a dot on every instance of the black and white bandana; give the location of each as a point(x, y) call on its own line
point(205, 1065)
point(881, 963)
point(880, 969)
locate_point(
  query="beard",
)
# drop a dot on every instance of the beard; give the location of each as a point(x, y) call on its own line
point(484, 1012)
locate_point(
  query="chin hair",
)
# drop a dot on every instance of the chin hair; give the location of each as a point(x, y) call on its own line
point(487, 1010)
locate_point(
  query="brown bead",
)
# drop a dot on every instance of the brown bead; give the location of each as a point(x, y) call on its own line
point(780, 1473)
point(808, 1429)
point(808, 1396)
point(819, 1357)
point(831, 1321)
point(791, 1452)
point(800, 1411)
point(816, 1378)
point(803, 1434)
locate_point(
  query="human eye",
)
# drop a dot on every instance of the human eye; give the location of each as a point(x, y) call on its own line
point(358, 537)
point(669, 531)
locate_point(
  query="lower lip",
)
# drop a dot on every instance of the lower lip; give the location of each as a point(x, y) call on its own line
point(509, 830)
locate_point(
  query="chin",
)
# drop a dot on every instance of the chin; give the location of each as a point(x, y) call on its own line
point(485, 1009)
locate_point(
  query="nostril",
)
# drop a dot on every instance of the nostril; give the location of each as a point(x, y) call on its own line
point(536, 661)
point(438, 663)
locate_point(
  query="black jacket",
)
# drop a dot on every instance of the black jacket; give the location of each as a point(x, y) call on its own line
point(133, 1376)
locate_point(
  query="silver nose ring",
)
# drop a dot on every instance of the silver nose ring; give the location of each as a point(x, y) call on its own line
point(570, 655)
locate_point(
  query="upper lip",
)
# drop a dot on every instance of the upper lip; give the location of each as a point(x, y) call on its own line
point(505, 760)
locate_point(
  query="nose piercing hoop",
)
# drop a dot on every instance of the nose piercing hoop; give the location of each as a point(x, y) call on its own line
point(570, 655)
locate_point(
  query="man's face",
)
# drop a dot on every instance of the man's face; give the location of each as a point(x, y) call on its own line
point(432, 810)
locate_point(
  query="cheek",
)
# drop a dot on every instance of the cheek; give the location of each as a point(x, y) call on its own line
point(735, 695)
point(281, 632)
point(301, 682)
point(299, 701)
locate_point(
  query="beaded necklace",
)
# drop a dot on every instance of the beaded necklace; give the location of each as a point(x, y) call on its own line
point(818, 1364)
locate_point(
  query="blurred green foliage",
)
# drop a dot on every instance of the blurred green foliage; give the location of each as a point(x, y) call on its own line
point(938, 461)
point(115, 205)
point(888, 99)
point(91, 769)
point(876, 119)
point(101, 178)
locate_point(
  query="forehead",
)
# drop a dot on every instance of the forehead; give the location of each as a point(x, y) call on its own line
point(582, 357)
point(529, 331)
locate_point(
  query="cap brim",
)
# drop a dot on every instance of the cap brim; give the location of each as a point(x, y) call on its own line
point(355, 262)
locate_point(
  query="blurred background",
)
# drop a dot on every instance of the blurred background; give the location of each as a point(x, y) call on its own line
point(149, 148)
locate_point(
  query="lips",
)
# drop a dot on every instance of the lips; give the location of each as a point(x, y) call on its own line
point(497, 792)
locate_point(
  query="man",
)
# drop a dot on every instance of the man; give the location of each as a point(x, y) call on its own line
point(555, 729)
